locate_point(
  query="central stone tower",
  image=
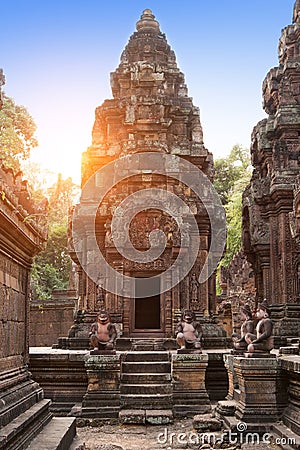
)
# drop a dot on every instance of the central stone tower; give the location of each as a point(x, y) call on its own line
point(150, 112)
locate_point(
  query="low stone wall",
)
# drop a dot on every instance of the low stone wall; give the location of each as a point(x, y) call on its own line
point(51, 319)
point(290, 366)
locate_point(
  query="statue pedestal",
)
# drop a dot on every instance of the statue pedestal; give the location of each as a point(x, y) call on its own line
point(189, 391)
point(102, 399)
point(261, 389)
point(291, 368)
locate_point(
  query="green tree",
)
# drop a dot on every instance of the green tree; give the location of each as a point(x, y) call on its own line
point(37, 178)
point(17, 133)
point(51, 268)
point(234, 218)
point(61, 197)
point(230, 170)
point(232, 175)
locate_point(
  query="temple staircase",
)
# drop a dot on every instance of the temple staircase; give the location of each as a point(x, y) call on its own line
point(25, 417)
point(146, 388)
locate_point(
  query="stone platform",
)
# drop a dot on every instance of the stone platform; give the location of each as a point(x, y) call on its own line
point(63, 376)
point(132, 386)
point(145, 387)
point(256, 392)
point(263, 395)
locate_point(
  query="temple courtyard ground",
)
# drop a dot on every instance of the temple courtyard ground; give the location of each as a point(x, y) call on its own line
point(180, 435)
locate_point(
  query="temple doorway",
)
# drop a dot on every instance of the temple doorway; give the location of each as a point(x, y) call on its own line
point(147, 311)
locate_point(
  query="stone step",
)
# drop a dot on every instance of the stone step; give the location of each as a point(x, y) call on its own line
point(20, 431)
point(101, 412)
point(61, 408)
point(146, 389)
point(141, 416)
point(146, 367)
point(58, 434)
point(145, 378)
point(18, 399)
point(146, 356)
point(146, 401)
point(230, 422)
point(146, 344)
point(287, 438)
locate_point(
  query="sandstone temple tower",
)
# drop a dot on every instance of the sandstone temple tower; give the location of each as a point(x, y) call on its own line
point(150, 112)
point(271, 202)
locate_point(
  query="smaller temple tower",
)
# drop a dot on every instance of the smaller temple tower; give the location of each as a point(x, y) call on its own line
point(269, 201)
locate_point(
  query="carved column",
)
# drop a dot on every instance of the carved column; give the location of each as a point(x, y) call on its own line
point(203, 252)
point(265, 265)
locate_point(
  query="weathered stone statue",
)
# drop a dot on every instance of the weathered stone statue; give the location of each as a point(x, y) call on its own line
point(247, 327)
point(103, 333)
point(262, 341)
point(189, 332)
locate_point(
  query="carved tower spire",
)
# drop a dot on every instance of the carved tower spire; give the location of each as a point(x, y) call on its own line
point(296, 15)
point(150, 109)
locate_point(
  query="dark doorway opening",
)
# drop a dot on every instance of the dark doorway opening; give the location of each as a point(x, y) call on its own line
point(147, 313)
point(147, 308)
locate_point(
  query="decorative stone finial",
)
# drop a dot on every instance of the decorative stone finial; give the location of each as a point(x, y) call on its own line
point(147, 22)
point(2, 78)
point(296, 14)
point(2, 82)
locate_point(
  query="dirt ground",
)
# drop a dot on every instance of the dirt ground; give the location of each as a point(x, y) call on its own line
point(178, 436)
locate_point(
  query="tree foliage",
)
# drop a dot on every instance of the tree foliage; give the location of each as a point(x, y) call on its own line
point(17, 133)
point(61, 197)
point(231, 169)
point(234, 219)
point(51, 268)
point(232, 175)
point(37, 178)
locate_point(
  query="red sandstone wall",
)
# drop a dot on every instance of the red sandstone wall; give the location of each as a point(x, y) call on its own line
point(13, 288)
point(50, 320)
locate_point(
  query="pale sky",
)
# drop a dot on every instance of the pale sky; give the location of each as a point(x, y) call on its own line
point(57, 56)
